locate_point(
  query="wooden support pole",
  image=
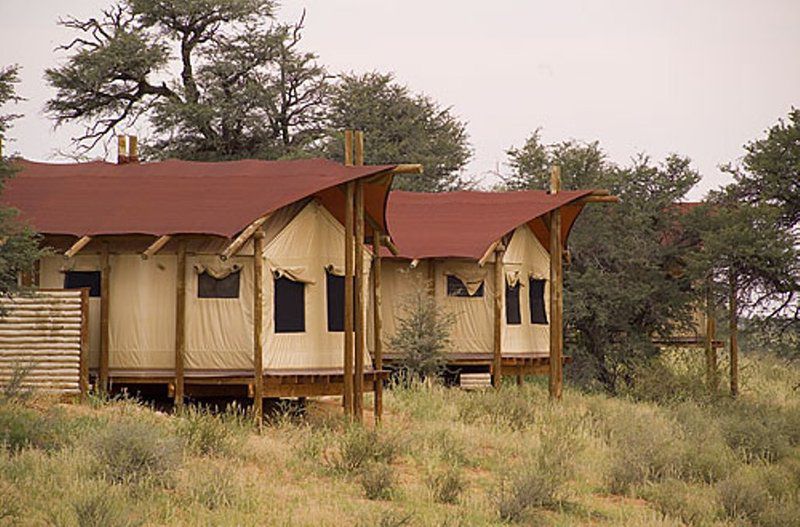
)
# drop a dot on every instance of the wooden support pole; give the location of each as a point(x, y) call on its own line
point(156, 246)
point(84, 353)
point(499, 290)
point(77, 246)
point(556, 293)
point(377, 323)
point(359, 307)
point(348, 299)
point(122, 150)
point(711, 334)
point(258, 326)
point(734, 332)
point(105, 312)
point(359, 289)
point(180, 322)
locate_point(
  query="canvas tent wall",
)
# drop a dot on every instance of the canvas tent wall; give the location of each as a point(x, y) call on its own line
point(298, 205)
point(455, 234)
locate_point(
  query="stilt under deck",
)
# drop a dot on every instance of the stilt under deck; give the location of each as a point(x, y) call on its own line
point(240, 383)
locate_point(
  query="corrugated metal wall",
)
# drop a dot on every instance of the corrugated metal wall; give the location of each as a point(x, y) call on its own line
point(45, 333)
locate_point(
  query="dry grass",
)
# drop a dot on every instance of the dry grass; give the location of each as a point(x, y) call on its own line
point(442, 458)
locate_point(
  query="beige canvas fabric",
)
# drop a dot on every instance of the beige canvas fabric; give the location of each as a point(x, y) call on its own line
point(303, 239)
point(473, 331)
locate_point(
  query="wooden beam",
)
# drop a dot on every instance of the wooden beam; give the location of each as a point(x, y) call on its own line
point(377, 325)
point(243, 236)
point(348, 299)
point(556, 293)
point(77, 246)
point(488, 254)
point(105, 327)
point(733, 330)
point(360, 307)
point(180, 323)
point(84, 354)
point(258, 326)
point(710, 336)
point(499, 290)
point(408, 168)
point(597, 199)
point(156, 246)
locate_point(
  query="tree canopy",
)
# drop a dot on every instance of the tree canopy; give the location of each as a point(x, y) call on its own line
point(242, 88)
point(400, 127)
point(624, 283)
point(19, 248)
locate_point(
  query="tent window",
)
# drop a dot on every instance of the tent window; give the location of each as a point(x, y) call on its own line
point(289, 309)
point(455, 287)
point(536, 296)
point(335, 291)
point(513, 316)
point(210, 287)
point(80, 279)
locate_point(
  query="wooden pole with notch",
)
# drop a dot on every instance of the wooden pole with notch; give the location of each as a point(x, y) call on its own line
point(499, 290)
point(258, 326)
point(711, 335)
point(348, 279)
point(360, 309)
point(733, 328)
point(180, 322)
point(556, 292)
point(105, 311)
point(377, 323)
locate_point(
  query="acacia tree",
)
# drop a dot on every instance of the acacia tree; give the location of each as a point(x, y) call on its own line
point(244, 88)
point(400, 127)
point(19, 247)
point(623, 284)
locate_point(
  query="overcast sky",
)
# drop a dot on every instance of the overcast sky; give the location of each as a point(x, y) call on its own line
point(697, 77)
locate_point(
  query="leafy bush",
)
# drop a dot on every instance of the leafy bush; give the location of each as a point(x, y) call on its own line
point(22, 427)
point(446, 484)
point(423, 334)
point(136, 452)
point(205, 433)
point(358, 446)
point(693, 505)
point(743, 494)
point(377, 480)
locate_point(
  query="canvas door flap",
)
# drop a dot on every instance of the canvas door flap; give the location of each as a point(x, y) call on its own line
point(295, 274)
point(513, 277)
point(217, 270)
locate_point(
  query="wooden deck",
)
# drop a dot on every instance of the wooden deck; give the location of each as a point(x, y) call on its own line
point(277, 383)
point(512, 364)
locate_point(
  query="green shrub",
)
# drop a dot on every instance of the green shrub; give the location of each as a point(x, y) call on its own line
point(213, 488)
point(22, 427)
point(693, 505)
point(446, 484)
point(357, 446)
point(205, 433)
point(377, 481)
point(705, 455)
point(136, 452)
point(757, 431)
point(10, 508)
point(508, 408)
point(743, 494)
point(101, 509)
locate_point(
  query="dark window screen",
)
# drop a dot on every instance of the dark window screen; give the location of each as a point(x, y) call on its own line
point(335, 292)
point(80, 279)
point(513, 316)
point(290, 309)
point(455, 287)
point(536, 296)
point(210, 287)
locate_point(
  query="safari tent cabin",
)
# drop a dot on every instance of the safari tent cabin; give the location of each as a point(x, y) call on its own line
point(468, 246)
point(201, 275)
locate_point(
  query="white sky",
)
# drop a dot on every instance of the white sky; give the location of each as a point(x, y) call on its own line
point(698, 77)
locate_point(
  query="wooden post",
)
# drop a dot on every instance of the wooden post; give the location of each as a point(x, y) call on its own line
point(556, 293)
point(734, 333)
point(180, 322)
point(105, 328)
point(499, 291)
point(258, 326)
point(359, 307)
point(711, 335)
point(377, 322)
point(84, 353)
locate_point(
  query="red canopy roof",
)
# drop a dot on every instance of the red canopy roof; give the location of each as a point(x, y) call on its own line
point(174, 197)
point(465, 224)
